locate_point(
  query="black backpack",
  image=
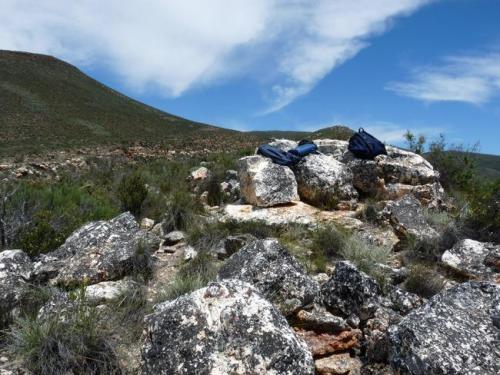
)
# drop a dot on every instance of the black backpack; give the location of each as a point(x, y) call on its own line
point(366, 146)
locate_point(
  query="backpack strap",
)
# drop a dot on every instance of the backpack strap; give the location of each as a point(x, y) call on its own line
point(361, 130)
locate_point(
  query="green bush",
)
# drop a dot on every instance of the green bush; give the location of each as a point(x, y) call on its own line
point(41, 215)
point(370, 212)
point(457, 165)
point(484, 214)
point(329, 241)
point(68, 342)
point(132, 192)
point(215, 194)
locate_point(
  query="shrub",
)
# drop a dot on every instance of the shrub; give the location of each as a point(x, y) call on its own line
point(456, 164)
point(70, 342)
point(328, 241)
point(41, 236)
point(416, 145)
point(39, 216)
point(424, 280)
point(215, 194)
point(484, 215)
point(370, 212)
point(132, 192)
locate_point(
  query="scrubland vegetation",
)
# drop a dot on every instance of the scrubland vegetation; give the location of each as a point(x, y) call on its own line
point(38, 215)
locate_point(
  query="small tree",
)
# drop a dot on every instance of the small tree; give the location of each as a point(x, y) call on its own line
point(415, 145)
point(132, 192)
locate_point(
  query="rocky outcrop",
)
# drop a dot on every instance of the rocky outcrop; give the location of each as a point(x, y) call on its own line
point(284, 144)
point(402, 301)
point(324, 181)
point(231, 244)
point(111, 291)
point(386, 175)
point(274, 272)
point(350, 293)
point(338, 364)
point(15, 268)
point(474, 259)
point(321, 344)
point(336, 148)
point(231, 186)
point(99, 251)
point(456, 332)
point(318, 319)
point(389, 176)
point(264, 184)
point(225, 328)
point(376, 343)
point(407, 217)
point(198, 178)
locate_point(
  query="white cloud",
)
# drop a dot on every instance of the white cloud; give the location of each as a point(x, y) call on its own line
point(393, 133)
point(471, 79)
point(176, 45)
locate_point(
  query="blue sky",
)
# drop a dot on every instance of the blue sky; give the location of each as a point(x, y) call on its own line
point(431, 66)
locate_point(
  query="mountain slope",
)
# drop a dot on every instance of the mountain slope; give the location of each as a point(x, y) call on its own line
point(47, 104)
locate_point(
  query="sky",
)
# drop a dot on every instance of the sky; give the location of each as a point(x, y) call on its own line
point(428, 66)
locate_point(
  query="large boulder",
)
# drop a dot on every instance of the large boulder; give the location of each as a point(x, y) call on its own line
point(198, 179)
point(407, 217)
point(274, 272)
point(264, 183)
point(398, 173)
point(335, 148)
point(99, 251)
point(225, 328)
point(15, 268)
point(324, 181)
point(284, 144)
point(376, 342)
point(350, 293)
point(456, 332)
point(474, 259)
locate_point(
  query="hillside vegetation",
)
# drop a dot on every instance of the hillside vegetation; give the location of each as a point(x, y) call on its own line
point(47, 104)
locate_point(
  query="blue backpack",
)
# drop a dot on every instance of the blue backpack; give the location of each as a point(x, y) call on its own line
point(278, 156)
point(304, 148)
point(366, 146)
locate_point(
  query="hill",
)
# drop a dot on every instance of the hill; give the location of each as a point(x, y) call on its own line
point(333, 132)
point(47, 104)
point(488, 165)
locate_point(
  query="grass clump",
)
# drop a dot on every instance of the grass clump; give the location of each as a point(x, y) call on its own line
point(424, 280)
point(193, 275)
point(366, 257)
point(72, 341)
point(181, 211)
point(331, 243)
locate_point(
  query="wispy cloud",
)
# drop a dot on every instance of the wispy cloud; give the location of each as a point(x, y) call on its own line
point(175, 45)
point(472, 79)
point(394, 133)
